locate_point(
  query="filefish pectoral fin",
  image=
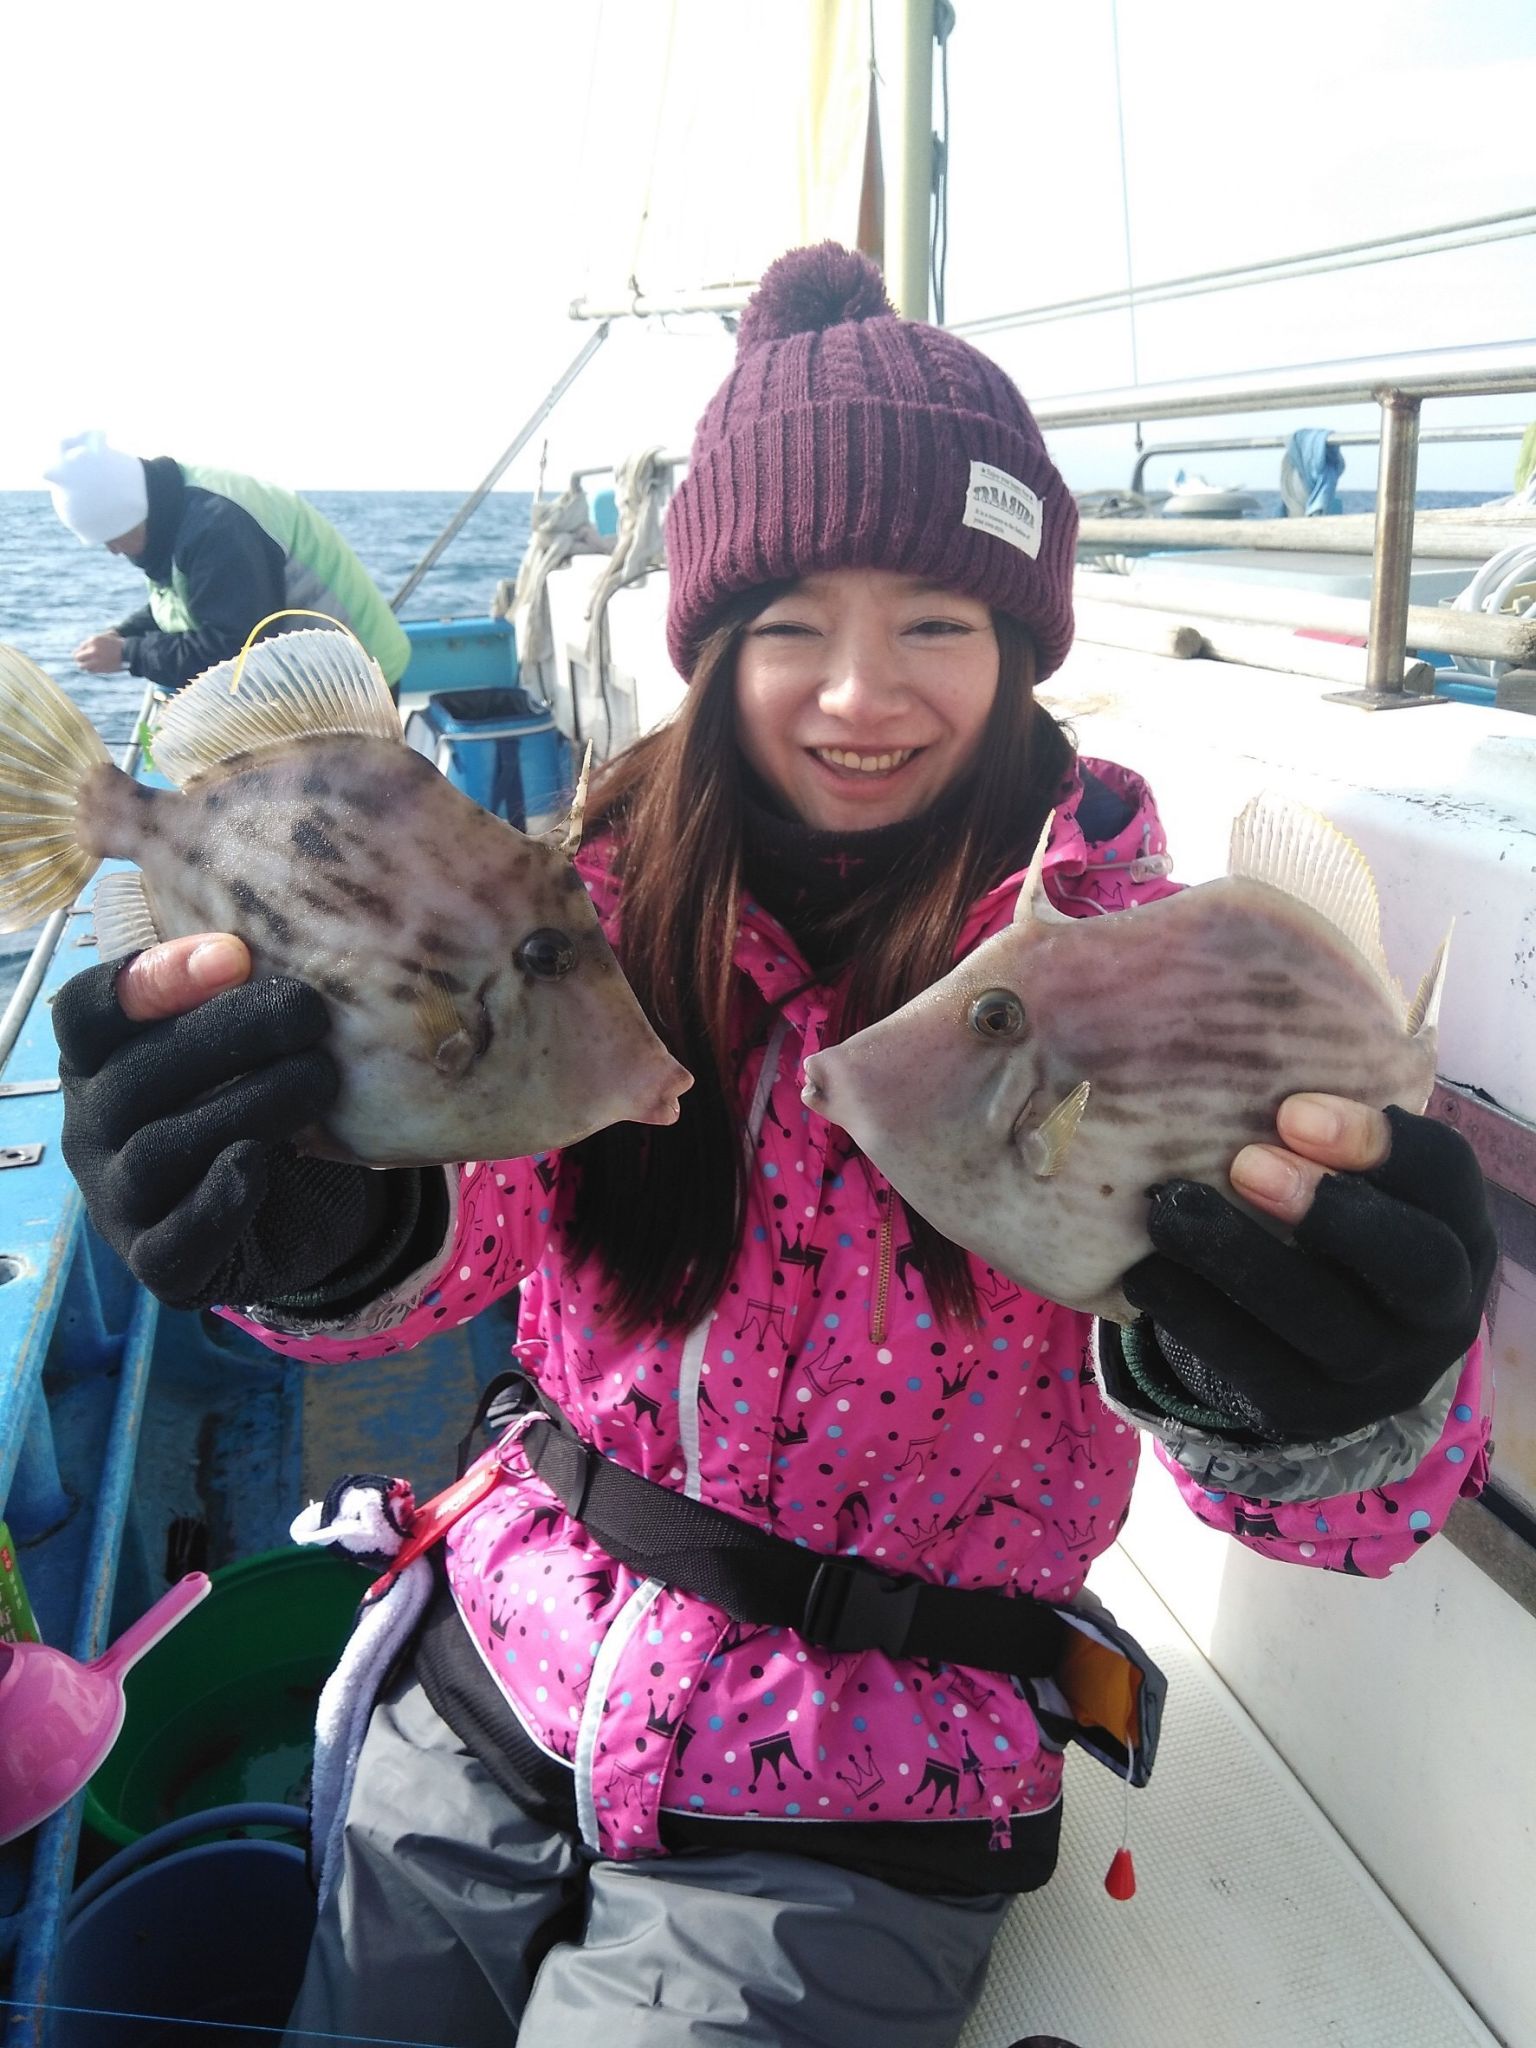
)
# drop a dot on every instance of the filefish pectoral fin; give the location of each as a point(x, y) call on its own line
point(452, 1041)
point(455, 1055)
point(1046, 1147)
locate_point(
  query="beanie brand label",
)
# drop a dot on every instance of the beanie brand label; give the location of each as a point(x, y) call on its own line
point(999, 504)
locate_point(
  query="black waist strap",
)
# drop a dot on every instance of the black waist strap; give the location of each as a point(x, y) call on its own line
point(837, 1603)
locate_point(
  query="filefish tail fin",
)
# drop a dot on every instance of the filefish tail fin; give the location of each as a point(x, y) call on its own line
point(121, 916)
point(1424, 1012)
point(47, 748)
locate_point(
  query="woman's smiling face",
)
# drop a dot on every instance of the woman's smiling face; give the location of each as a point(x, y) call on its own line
point(861, 694)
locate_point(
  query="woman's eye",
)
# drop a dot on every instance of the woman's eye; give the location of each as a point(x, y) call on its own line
point(998, 1015)
point(546, 955)
point(938, 628)
point(780, 629)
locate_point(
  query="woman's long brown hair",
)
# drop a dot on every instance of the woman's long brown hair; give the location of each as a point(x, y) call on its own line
point(662, 1209)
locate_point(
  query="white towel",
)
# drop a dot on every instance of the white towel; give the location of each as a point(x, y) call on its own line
point(367, 1515)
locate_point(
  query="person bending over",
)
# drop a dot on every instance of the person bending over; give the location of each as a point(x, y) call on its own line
point(222, 552)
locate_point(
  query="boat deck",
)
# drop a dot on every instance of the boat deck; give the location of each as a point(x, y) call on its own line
point(1253, 1923)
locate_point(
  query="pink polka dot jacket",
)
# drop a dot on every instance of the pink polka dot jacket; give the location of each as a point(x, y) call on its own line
point(823, 1401)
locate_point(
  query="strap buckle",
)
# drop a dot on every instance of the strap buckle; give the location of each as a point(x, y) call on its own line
point(502, 1400)
point(853, 1606)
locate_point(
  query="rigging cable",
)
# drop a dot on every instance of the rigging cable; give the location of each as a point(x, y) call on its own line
point(650, 176)
point(1125, 201)
point(943, 23)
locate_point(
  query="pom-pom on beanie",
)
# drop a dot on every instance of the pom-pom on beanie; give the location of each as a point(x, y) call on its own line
point(846, 437)
point(98, 492)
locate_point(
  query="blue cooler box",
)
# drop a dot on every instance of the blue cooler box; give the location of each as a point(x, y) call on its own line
point(500, 749)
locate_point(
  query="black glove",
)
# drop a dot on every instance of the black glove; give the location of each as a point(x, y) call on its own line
point(1376, 1294)
point(176, 1132)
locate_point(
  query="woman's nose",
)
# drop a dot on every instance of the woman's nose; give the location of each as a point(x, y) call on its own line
point(862, 676)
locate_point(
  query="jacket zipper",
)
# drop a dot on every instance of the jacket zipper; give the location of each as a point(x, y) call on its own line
point(882, 1270)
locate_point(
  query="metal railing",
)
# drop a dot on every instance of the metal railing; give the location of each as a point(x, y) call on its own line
point(665, 461)
point(1241, 442)
point(1399, 385)
point(724, 299)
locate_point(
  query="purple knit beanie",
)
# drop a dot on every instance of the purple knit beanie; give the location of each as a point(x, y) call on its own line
point(846, 437)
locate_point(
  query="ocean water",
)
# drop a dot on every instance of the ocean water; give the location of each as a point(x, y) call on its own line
point(54, 593)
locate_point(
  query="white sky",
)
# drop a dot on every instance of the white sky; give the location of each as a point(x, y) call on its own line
point(334, 243)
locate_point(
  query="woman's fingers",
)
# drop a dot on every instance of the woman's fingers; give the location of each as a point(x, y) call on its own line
point(1348, 1136)
point(168, 979)
point(1322, 1134)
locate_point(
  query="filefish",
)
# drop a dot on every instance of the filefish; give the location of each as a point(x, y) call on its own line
point(476, 1008)
point(1026, 1103)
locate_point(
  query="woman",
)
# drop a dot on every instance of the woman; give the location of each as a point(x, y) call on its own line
point(739, 1713)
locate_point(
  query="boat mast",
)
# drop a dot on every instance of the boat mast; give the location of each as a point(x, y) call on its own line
point(908, 65)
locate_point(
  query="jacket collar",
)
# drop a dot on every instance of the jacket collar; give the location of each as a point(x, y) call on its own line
point(167, 489)
point(770, 959)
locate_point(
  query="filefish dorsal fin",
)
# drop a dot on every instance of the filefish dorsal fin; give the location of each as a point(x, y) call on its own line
point(1049, 1143)
point(301, 685)
point(566, 836)
point(122, 917)
point(1034, 906)
point(1424, 1014)
point(1298, 851)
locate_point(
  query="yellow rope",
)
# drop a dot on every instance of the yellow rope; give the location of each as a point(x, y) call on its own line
point(292, 612)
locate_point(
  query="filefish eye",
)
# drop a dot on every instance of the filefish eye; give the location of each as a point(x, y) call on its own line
point(546, 954)
point(997, 1015)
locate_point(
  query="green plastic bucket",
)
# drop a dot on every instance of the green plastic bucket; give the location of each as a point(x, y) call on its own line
point(222, 1710)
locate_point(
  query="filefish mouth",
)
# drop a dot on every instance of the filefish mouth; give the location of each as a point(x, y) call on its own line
point(666, 1107)
point(814, 1093)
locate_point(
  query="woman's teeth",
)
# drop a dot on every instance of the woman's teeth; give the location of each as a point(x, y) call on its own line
point(864, 764)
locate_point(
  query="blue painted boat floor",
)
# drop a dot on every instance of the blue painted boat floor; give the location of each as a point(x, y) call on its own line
point(240, 1439)
point(403, 1415)
point(233, 1441)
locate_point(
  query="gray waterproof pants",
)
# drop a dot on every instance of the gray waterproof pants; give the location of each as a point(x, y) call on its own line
point(459, 1920)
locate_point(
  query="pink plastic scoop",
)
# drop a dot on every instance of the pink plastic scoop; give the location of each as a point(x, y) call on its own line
point(59, 1717)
